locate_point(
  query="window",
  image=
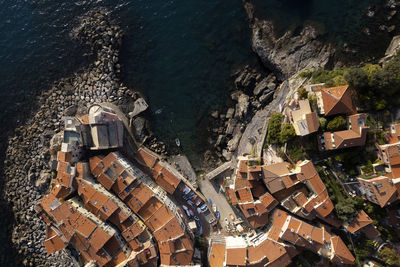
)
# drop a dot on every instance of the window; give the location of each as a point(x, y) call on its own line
point(109, 172)
point(378, 185)
point(95, 202)
point(251, 211)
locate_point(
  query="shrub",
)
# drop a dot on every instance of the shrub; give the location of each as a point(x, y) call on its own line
point(287, 133)
point(357, 78)
point(302, 92)
point(274, 129)
point(313, 102)
point(346, 209)
point(368, 169)
point(296, 152)
point(329, 77)
point(306, 74)
point(389, 256)
point(322, 122)
point(336, 124)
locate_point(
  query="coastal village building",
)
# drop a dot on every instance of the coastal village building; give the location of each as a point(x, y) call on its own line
point(302, 118)
point(384, 189)
point(138, 225)
point(286, 237)
point(250, 194)
point(362, 223)
point(299, 189)
point(150, 202)
point(335, 100)
point(340, 100)
point(258, 189)
point(356, 134)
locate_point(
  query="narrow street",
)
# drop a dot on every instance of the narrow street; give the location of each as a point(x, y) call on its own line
point(218, 199)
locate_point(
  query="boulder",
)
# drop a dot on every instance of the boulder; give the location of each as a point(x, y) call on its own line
point(242, 105)
point(138, 127)
point(43, 181)
point(231, 124)
point(392, 49)
point(230, 113)
point(139, 106)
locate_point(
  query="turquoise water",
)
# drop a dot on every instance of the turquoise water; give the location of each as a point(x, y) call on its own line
point(179, 54)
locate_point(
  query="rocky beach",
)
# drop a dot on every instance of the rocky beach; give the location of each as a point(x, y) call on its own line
point(27, 171)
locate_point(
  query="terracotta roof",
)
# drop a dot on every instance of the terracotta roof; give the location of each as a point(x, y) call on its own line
point(380, 190)
point(54, 243)
point(236, 256)
point(167, 180)
point(312, 122)
point(341, 252)
point(217, 255)
point(268, 201)
point(243, 166)
point(64, 156)
point(337, 100)
point(170, 230)
point(245, 195)
point(359, 222)
point(146, 157)
point(159, 218)
point(356, 135)
point(371, 232)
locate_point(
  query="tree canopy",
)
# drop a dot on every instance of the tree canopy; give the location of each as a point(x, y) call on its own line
point(287, 133)
point(274, 129)
point(336, 124)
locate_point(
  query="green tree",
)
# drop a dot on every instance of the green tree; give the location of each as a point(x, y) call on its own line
point(322, 122)
point(336, 124)
point(274, 128)
point(287, 133)
point(346, 209)
point(357, 78)
point(302, 92)
point(370, 69)
point(369, 168)
point(379, 104)
point(389, 256)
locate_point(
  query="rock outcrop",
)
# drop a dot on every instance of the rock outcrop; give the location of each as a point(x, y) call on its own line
point(290, 53)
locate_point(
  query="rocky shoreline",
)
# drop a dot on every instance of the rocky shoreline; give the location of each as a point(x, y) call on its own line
point(26, 167)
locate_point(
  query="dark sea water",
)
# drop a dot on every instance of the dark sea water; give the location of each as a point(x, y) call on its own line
point(179, 54)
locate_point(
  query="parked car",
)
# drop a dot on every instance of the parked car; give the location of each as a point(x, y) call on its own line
point(191, 212)
point(210, 201)
point(204, 210)
point(186, 190)
point(194, 198)
point(186, 210)
point(196, 218)
point(191, 195)
point(198, 210)
point(186, 197)
point(190, 203)
point(198, 202)
point(203, 206)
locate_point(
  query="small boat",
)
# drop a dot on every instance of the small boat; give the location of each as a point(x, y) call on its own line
point(158, 111)
point(178, 142)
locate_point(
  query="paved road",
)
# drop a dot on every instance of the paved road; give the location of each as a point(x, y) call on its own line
point(210, 192)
